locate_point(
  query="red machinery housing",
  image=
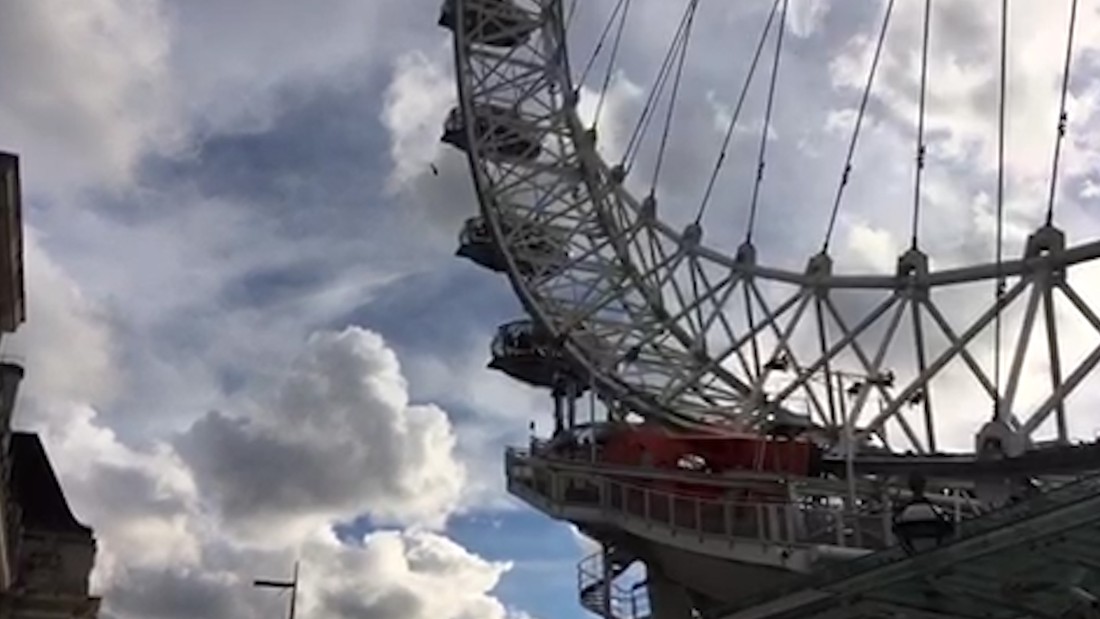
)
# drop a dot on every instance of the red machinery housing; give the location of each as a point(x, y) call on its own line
point(717, 453)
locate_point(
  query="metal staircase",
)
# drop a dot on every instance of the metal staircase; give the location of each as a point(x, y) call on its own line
point(601, 595)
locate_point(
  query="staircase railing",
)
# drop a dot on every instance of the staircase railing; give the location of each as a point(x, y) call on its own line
point(625, 602)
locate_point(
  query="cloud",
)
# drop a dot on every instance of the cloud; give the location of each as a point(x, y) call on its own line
point(585, 544)
point(383, 575)
point(172, 592)
point(66, 347)
point(339, 440)
point(403, 575)
point(874, 249)
point(805, 18)
point(86, 86)
point(416, 103)
point(357, 446)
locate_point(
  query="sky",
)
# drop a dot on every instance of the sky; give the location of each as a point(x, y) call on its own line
point(249, 341)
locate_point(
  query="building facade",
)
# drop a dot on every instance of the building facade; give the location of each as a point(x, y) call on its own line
point(46, 555)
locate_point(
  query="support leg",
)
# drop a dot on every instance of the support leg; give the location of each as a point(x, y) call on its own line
point(559, 410)
point(667, 599)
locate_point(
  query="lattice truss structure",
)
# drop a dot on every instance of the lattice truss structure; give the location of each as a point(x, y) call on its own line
point(673, 329)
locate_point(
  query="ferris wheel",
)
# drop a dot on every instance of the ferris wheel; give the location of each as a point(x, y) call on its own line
point(653, 317)
point(975, 369)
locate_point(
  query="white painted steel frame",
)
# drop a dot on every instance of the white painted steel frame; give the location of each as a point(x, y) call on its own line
point(665, 309)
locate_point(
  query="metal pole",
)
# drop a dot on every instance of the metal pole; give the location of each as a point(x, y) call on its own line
point(283, 584)
point(607, 576)
point(559, 406)
point(294, 591)
point(571, 405)
point(958, 509)
point(592, 420)
point(849, 457)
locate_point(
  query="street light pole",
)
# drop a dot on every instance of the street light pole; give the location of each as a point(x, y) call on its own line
point(283, 584)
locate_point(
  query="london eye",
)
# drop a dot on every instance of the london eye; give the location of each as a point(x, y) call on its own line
point(771, 441)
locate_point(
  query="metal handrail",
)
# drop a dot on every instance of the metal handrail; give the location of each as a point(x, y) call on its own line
point(626, 603)
point(779, 522)
point(543, 450)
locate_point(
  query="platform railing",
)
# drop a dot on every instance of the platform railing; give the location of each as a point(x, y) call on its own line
point(780, 522)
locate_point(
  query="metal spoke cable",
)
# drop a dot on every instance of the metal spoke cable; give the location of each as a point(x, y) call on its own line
point(673, 97)
point(920, 123)
point(611, 63)
point(846, 174)
point(634, 144)
point(571, 14)
point(737, 112)
point(767, 123)
point(1062, 116)
point(565, 24)
point(599, 44)
point(999, 284)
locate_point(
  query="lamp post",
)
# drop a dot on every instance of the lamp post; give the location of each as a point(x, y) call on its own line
point(919, 525)
point(283, 584)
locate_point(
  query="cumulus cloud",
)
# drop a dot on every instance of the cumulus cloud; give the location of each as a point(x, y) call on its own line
point(416, 103)
point(353, 442)
point(407, 575)
point(339, 440)
point(383, 575)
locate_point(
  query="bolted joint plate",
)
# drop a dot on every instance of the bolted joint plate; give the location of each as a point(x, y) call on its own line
point(818, 269)
point(618, 174)
point(691, 237)
point(1048, 244)
point(997, 440)
point(647, 212)
point(746, 254)
point(592, 136)
point(912, 274)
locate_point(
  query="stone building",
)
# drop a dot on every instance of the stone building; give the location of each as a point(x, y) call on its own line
point(46, 555)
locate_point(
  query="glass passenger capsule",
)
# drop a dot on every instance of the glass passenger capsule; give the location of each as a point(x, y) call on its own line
point(534, 249)
point(499, 23)
point(500, 132)
point(528, 354)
